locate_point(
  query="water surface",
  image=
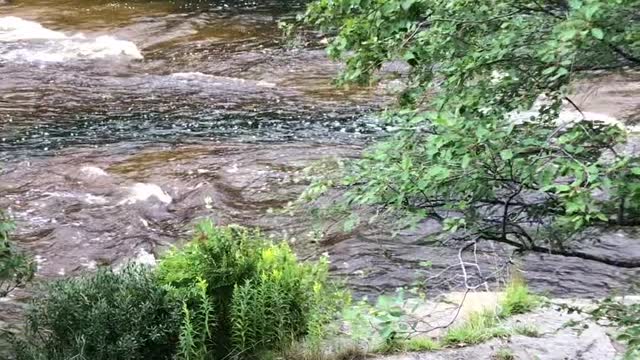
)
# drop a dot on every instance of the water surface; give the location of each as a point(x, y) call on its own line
point(122, 123)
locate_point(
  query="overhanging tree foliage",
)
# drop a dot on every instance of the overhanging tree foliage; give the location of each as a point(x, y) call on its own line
point(479, 142)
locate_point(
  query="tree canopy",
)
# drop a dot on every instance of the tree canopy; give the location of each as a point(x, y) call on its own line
point(479, 142)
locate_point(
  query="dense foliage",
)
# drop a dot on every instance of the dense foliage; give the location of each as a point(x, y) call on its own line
point(16, 268)
point(262, 298)
point(228, 294)
point(123, 315)
point(478, 139)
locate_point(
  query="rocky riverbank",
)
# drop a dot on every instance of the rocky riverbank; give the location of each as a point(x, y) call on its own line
point(559, 330)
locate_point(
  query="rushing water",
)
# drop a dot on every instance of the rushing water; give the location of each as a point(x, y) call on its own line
point(122, 123)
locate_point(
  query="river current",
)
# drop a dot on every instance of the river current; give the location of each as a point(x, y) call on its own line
point(123, 123)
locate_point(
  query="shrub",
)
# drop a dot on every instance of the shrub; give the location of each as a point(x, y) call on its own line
point(222, 257)
point(197, 324)
point(15, 267)
point(108, 315)
point(279, 305)
point(262, 297)
point(386, 323)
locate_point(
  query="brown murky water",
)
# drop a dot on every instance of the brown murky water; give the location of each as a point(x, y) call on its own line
point(113, 142)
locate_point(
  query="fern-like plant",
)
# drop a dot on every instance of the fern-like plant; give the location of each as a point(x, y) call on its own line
point(261, 297)
point(196, 332)
point(276, 307)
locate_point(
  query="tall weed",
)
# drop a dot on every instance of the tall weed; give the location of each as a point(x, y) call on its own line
point(261, 296)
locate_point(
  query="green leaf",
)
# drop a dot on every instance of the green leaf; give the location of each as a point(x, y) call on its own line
point(409, 55)
point(506, 155)
point(386, 332)
point(482, 132)
point(562, 71)
point(438, 172)
point(466, 160)
point(569, 33)
point(597, 33)
point(591, 10)
point(406, 5)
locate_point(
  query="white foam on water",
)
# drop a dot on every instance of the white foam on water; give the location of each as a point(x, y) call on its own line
point(143, 257)
point(30, 41)
point(91, 265)
point(143, 192)
point(219, 80)
point(14, 29)
point(92, 171)
point(193, 75)
point(95, 200)
point(570, 116)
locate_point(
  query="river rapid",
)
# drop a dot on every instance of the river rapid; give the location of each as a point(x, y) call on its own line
point(123, 123)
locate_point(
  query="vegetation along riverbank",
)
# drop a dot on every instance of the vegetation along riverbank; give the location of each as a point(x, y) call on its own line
point(451, 179)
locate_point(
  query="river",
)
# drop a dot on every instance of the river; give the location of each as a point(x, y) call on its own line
point(123, 123)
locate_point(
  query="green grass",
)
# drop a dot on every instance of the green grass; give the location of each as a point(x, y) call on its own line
point(409, 345)
point(527, 330)
point(422, 344)
point(518, 300)
point(480, 327)
point(504, 354)
point(388, 347)
point(486, 325)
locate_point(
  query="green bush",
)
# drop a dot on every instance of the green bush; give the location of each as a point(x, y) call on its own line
point(262, 297)
point(278, 306)
point(16, 268)
point(109, 315)
point(422, 344)
point(228, 294)
point(221, 257)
